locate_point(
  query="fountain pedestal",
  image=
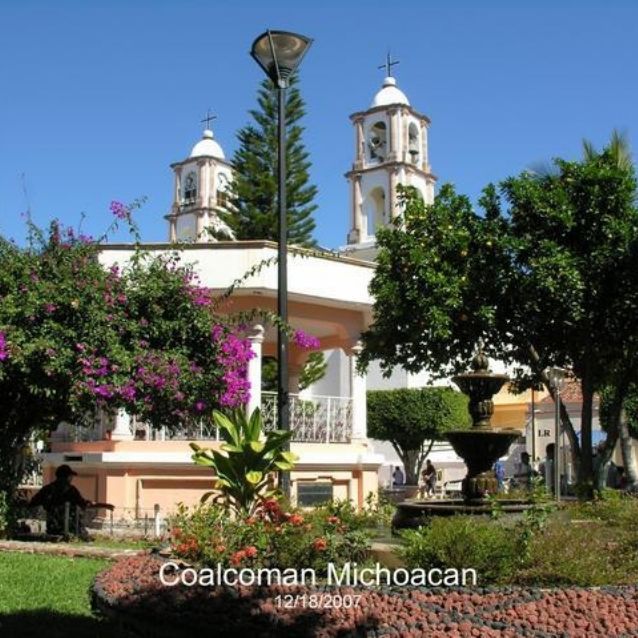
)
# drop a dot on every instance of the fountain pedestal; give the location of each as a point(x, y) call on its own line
point(480, 449)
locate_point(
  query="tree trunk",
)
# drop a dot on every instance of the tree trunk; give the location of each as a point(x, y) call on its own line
point(586, 474)
point(613, 430)
point(410, 460)
point(566, 422)
point(628, 456)
point(12, 445)
point(10, 474)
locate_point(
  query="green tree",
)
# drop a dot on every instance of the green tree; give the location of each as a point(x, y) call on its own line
point(413, 419)
point(547, 274)
point(254, 189)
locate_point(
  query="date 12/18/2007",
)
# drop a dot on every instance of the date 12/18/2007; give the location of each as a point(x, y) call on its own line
point(317, 601)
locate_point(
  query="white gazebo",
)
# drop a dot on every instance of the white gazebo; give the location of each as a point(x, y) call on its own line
point(128, 464)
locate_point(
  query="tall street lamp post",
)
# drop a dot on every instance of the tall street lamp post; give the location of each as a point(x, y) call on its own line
point(279, 53)
point(556, 378)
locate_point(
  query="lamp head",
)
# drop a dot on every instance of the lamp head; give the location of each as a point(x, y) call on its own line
point(556, 377)
point(279, 53)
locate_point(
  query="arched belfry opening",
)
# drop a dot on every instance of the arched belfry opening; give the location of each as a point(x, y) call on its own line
point(378, 142)
point(414, 143)
point(189, 189)
point(375, 210)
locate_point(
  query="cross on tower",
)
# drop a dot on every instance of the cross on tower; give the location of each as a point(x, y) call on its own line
point(388, 65)
point(208, 119)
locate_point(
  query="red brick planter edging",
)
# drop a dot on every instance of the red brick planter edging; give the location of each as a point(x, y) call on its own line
point(131, 592)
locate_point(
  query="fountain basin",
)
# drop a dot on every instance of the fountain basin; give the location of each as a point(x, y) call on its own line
point(413, 514)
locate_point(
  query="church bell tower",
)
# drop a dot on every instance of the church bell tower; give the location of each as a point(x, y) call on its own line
point(201, 192)
point(391, 148)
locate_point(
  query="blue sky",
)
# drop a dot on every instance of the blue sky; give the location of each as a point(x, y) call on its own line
point(99, 98)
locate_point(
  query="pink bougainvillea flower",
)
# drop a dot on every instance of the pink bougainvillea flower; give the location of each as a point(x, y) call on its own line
point(235, 353)
point(120, 210)
point(305, 340)
point(4, 352)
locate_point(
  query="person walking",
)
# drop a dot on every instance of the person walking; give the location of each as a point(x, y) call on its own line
point(430, 478)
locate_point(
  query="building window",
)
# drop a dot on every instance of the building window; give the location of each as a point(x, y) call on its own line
point(311, 494)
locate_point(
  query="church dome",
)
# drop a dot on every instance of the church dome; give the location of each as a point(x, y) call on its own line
point(207, 147)
point(389, 94)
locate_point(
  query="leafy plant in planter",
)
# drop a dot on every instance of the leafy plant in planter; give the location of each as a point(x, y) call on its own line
point(251, 455)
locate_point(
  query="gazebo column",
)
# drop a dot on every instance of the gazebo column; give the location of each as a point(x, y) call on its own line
point(358, 395)
point(122, 430)
point(256, 338)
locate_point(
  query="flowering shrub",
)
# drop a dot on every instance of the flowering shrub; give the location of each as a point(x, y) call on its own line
point(120, 211)
point(272, 537)
point(76, 336)
point(375, 513)
point(234, 355)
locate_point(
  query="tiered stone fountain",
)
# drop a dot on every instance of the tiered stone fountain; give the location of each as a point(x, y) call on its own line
point(480, 447)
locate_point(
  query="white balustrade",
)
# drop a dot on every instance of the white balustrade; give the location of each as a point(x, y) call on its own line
point(313, 419)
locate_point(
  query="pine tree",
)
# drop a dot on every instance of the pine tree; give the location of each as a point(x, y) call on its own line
point(255, 183)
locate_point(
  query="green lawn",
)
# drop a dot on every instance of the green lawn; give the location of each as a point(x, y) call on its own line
point(49, 596)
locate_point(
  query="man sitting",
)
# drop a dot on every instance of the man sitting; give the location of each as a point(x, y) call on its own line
point(54, 496)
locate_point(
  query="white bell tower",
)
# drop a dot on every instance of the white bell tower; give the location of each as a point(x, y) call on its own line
point(201, 191)
point(391, 148)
